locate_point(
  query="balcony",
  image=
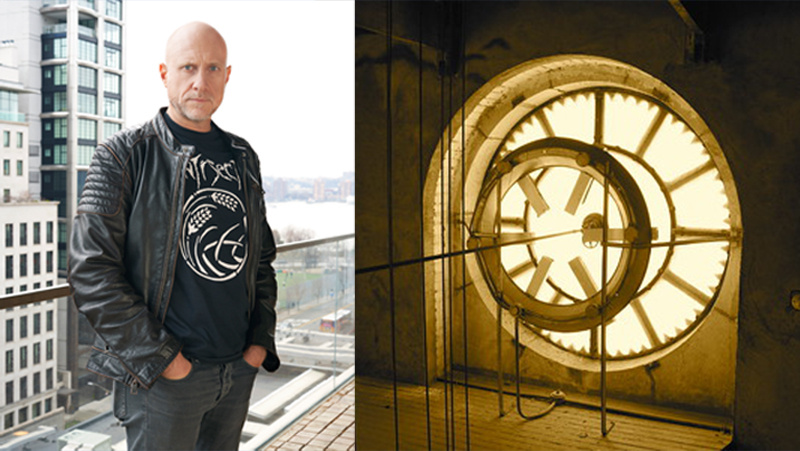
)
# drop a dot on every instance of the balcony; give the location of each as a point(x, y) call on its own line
point(12, 116)
point(315, 341)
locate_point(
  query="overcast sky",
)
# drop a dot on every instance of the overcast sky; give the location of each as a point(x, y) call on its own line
point(291, 91)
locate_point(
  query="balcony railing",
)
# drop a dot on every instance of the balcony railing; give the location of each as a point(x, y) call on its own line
point(47, 3)
point(316, 308)
point(12, 116)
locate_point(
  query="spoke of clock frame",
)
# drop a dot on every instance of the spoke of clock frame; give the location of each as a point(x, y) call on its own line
point(689, 176)
point(557, 297)
point(581, 272)
point(579, 192)
point(589, 288)
point(521, 268)
point(687, 288)
point(695, 232)
point(599, 116)
point(512, 221)
point(539, 275)
point(651, 132)
point(534, 196)
point(545, 123)
point(644, 320)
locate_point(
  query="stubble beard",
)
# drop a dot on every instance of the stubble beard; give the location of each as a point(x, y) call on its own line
point(189, 115)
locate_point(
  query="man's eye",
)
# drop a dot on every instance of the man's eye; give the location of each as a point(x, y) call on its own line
point(214, 68)
point(187, 67)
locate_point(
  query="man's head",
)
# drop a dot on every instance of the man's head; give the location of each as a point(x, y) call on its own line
point(195, 72)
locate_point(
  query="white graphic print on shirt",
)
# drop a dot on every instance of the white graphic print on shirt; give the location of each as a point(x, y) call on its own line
point(214, 231)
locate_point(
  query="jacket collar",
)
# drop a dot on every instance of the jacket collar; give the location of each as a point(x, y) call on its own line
point(164, 133)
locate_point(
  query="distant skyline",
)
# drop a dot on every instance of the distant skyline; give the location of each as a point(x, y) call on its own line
point(291, 91)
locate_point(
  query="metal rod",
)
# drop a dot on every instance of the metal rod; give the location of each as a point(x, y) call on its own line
point(498, 227)
point(423, 304)
point(553, 403)
point(390, 219)
point(603, 300)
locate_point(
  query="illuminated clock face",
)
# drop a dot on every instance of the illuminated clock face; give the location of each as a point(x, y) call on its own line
point(604, 175)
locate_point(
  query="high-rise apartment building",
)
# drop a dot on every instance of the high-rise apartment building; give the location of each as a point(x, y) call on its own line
point(28, 252)
point(69, 55)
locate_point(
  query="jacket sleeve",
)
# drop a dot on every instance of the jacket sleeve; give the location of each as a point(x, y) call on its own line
point(100, 290)
point(263, 319)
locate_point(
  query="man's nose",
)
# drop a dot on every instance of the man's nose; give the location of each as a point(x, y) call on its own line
point(200, 81)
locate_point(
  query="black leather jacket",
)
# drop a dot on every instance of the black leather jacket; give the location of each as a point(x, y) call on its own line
point(125, 246)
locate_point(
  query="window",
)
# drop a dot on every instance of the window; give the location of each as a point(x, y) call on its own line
point(37, 323)
point(23, 288)
point(113, 33)
point(48, 378)
point(55, 48)
point(10, 361)
point(37, 233)
point(113, 83)
point(49, 262)
point(113, 58)
point(6, 167)
point(37, 383)
point(9, 393)
point(111, 107)
point(9, 266)
point(109, 128)
point(55, 101)
point(9, 419)
point(9, 235)
point(87, 103)
point(48, 321)
point(37, 353)
point(49, 283)
point(58, 73)
point(23, 357)
point(37, 285)
point(87, 77)
point(48, 405)
point(36, 407)
point(6, 195)
point(20, 140)
point(23, 412)
point(9, 101)
point(23, 234)
point(60, 128)
point(23, 326)
point(85, 154)
point(9, 330)
point(37, 263)
point(49, 231)
point(113, 9)
point(23, 392)
point(23, 265)
point(9, 290)
point(87, 129)
point(87, 51)
point(19, 167)
point(48, 350)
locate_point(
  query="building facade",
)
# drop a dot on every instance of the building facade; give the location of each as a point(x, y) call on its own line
point(28, 253)
point(69, 72)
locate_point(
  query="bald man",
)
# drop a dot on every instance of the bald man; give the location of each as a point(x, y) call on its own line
point(171, 262)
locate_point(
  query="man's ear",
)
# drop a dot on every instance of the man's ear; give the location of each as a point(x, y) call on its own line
point(227, 74)
point(162, 68)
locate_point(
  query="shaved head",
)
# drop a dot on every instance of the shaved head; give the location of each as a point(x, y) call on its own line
point(189, 34)
point(195, 73)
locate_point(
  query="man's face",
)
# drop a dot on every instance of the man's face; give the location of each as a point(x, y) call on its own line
point(195, 76)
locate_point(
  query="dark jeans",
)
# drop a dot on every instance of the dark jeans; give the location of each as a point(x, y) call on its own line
point(204, 410)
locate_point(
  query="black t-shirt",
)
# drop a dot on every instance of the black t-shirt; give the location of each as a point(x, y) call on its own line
point(208, 309)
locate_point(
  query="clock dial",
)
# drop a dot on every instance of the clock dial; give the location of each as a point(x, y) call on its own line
point(542, 214)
